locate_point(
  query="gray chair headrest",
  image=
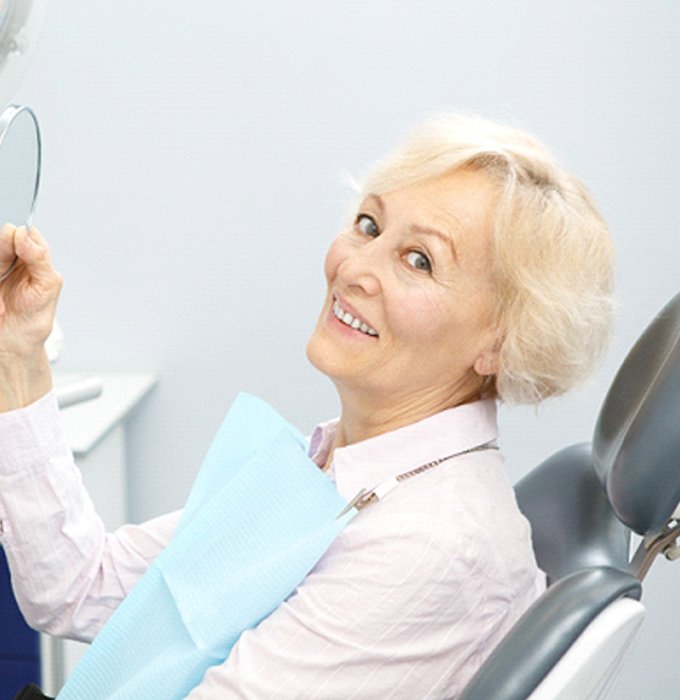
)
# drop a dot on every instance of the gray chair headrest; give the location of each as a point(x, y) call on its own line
point(636, 443)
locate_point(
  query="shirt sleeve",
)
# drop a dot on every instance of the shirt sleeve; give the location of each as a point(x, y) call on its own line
point(68, 574)
point(399, 616)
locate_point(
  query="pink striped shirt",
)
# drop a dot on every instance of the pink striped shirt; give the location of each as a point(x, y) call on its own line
point(407, 602)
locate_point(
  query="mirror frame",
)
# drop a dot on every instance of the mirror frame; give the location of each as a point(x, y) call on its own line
point(9, 114)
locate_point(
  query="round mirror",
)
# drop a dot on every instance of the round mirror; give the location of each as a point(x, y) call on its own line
point(19, 168)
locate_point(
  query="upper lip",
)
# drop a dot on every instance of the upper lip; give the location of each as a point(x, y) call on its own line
point(346, 306)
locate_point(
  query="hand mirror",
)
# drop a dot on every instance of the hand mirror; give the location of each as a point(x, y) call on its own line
point(19, 168)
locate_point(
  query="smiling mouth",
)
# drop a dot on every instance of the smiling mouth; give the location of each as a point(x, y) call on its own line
point(349, 320)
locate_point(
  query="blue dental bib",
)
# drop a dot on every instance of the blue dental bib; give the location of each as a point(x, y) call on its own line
point(259, 517)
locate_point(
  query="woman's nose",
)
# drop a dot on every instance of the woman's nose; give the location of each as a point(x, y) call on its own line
point(362, 269)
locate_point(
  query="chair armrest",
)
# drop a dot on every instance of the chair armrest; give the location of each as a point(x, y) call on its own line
point(546, 631)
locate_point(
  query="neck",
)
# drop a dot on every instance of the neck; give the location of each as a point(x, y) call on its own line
point(366, 414)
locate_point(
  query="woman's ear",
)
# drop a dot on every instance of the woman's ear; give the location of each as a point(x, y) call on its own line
point(487, 363)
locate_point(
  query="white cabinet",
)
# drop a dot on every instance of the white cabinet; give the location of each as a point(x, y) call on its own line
point(96, 432)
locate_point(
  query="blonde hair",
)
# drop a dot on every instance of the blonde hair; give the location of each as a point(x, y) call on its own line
point(553, 255)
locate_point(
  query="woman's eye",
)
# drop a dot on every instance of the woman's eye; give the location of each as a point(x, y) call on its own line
point(419, 261)
point(366, 224)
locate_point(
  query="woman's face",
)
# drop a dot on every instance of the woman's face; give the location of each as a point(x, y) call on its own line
point(407, 318)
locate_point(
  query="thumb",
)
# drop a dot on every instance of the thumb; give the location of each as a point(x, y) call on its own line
point(7, 244)
point(34, 252)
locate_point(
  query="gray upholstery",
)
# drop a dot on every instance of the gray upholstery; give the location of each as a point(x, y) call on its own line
point(636, 443)
point(546, 631)
point(573, 525)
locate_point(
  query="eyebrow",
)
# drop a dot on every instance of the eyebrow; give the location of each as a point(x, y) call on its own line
point(418, 229)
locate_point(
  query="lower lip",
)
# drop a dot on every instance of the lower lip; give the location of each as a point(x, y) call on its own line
point(346, 330)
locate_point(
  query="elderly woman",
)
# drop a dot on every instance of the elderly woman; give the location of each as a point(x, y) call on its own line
point(475, 269)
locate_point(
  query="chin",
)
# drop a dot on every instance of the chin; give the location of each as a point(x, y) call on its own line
point(323, 354)
point(318, 352)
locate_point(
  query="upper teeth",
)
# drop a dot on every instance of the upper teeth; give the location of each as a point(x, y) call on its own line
point(349, 320)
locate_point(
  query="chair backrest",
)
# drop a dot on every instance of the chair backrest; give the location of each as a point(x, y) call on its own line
point(636, 443)
point(573, 525)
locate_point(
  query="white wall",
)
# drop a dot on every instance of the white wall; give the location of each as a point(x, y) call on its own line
point(191, 185)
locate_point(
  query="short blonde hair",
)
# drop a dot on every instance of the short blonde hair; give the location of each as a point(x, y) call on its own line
point(553, 266)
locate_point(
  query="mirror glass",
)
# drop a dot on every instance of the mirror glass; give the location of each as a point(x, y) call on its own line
point(19, 167)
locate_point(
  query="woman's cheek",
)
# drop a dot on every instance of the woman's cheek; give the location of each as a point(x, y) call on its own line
point(334, 257)
point(420, 315)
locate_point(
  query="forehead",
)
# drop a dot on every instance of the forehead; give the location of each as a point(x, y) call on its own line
point(457, 202)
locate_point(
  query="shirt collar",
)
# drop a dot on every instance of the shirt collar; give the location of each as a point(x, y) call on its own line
point(370, 462)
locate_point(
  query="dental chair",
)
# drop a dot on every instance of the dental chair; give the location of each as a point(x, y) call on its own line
point(583, 504)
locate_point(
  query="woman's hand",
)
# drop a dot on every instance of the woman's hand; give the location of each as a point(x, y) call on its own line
point(28, 300)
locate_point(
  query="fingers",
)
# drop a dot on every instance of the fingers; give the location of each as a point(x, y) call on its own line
point(28, 244)
point(34, 263)
point(38, 238)
point(34, 252)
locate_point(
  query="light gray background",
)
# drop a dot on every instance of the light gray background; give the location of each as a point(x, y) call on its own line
point(193, 155)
